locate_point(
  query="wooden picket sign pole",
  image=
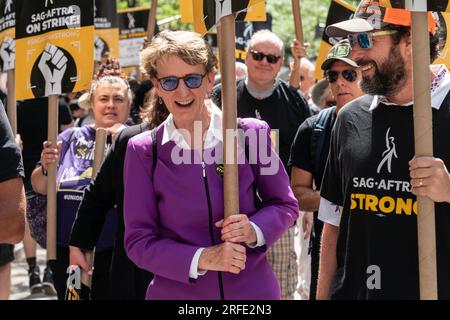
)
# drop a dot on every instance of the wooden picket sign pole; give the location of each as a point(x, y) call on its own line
point(294, 78)
point(227, 45)
point(52, 135)
point(423, 138)
point(11, 107)
point(99, 156)
point(152, 20)
point(296, 11)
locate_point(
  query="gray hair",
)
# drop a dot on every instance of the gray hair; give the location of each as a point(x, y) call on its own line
point(266, 36)
point(186, 45)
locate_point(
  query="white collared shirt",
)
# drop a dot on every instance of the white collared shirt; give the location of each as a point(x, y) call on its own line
point(213, 135)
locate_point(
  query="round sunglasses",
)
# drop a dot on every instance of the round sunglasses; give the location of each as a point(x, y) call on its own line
point(259, 56)
point(348, 74)
point(192, 81)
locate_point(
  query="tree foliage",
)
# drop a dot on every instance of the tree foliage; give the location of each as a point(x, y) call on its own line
point(314, 14)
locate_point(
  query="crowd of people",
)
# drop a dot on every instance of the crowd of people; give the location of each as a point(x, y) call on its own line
point(331, 162)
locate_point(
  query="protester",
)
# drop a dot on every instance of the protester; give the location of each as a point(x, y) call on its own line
point(372, 172)
point(12, 201)
point(309, 150)
point(111, 100)
point(12, 196)
point(261, 95)
point(127, 282)
point(174, 227)
point(32, 118)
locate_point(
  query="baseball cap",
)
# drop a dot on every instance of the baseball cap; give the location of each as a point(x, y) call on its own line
point(374, 15)
point(340, 51)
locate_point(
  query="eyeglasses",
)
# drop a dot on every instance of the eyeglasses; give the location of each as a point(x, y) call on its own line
point(348, 74)
point(364, 39)
point(259, 56)
point(192, 81)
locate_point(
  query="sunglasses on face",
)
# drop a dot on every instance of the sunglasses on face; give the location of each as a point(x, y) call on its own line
point(192, 81)
point(259, 56)
point(364, 39)
point(348, 74)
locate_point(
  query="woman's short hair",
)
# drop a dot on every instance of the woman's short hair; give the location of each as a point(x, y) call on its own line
point(111, 80)
point(188, 46)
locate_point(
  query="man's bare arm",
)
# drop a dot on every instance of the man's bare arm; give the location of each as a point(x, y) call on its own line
point(12, 211)
point(302, 185)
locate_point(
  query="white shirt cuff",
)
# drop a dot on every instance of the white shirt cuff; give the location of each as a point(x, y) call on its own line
point(329, 212)
point(260, 240)
point(194, 272)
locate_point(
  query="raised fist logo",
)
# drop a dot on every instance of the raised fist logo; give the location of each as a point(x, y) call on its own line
point(7, 53)
point(99, 47)
point(53, 65)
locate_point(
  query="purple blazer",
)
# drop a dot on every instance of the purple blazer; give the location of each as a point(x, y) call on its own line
point(170, 215)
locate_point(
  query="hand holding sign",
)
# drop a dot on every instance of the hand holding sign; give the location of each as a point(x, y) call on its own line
point(7, 53)
point(53, 65)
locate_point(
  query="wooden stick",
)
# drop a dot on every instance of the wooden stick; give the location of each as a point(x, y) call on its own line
point(99, 150)
point(296, 11)
point(152, 20)
point(423, 135)
point(52, 136)
point(11, 106)
point(99, 156)
point(227, 45)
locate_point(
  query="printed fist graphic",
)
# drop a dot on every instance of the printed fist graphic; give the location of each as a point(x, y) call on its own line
point(7, 53)
point(53, 65)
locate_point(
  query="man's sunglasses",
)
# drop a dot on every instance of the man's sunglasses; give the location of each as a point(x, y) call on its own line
point(192, 81)
point(364, 39)
point(258, 56)
point(349, 74)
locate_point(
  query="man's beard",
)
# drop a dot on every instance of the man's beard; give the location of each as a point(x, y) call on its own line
point(389, 77)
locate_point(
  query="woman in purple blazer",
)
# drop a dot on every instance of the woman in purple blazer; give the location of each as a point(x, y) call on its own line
point(173, 181)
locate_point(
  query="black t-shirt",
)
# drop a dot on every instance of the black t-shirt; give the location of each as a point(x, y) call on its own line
point(32, 118)
point(368, 174)
point(284, 110)
point(10, 158)
point(301, 153)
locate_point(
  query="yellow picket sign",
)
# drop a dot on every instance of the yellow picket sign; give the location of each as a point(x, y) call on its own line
point(54, 47)
point(207, 13)
point(339, 11)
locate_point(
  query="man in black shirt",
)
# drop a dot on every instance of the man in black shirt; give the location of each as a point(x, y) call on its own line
point(370, 174)
point(261, 95)
point(12, 196)
point(309, 150)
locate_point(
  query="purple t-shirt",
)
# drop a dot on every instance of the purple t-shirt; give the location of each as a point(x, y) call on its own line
point(73, 176)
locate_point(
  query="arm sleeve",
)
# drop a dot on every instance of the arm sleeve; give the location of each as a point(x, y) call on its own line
point(280, 208)
point(332, 188)
point(10, 155)
point(99, 198)
point(329, 213)
point(144, 243)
